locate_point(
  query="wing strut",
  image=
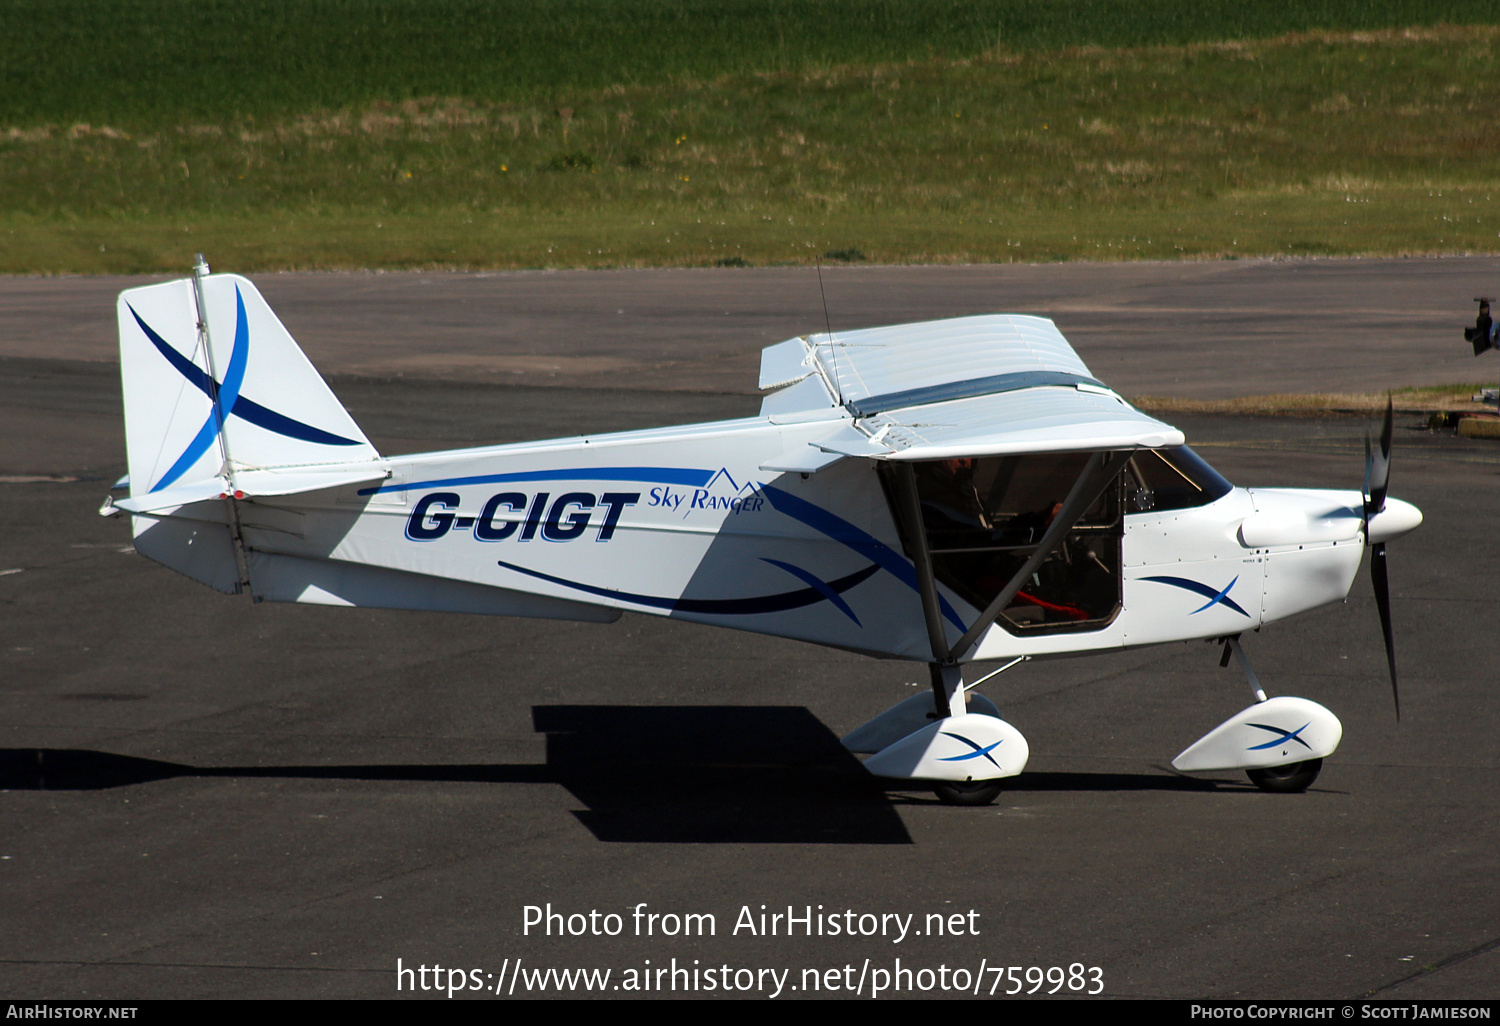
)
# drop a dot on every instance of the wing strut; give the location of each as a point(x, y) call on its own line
point(1097, 473)
point(915, 536)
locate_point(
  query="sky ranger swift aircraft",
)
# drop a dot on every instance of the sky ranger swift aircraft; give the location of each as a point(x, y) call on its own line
point(945, 492)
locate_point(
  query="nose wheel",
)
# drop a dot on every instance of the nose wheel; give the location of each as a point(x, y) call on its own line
point(969, 792)
point(1293, 779)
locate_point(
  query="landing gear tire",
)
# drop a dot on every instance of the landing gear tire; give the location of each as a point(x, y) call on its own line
point(1293, 779)
point(968, 792)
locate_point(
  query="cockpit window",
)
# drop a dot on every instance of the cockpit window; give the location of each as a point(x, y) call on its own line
point(983, 518)
point(1167, 479)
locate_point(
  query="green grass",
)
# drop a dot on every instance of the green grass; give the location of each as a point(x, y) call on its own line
point(1246, 224)
point(1318, 143)
point(139, 64)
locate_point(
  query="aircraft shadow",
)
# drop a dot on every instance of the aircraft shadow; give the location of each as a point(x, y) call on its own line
point(695, 774)
point(714, 774)
point(685, 774)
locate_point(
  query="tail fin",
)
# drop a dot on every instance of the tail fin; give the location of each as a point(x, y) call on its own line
point(219, 399)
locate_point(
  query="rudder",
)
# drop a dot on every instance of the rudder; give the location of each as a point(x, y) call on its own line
point(228, 401)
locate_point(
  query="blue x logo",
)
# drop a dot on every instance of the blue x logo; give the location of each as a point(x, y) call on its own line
point(976, 753)
point(1282, 736)
point(1214, 597)
point(226, 398)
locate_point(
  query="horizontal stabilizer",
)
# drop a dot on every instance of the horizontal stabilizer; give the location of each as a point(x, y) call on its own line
point(251, 483)
point(294, 480)
point(171, 498)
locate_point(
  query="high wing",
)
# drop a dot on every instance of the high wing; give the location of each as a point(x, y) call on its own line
point(970, 386)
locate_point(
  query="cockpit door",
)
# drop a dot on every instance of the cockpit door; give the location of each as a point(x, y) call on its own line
point(983, 519)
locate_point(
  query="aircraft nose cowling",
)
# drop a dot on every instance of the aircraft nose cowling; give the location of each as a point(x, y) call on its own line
point(1396, 519)
point(1297, 516)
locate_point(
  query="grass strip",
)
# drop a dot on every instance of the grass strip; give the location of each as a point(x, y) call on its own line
point(139, 64)
point(1373, 143)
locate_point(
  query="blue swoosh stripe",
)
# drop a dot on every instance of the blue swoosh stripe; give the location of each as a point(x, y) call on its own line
point(196, 375)
point(976, 753)
point(816, 582)
point(644, 475)
point(229, 392)
point(1201, 589)
point(842, 531)
point(261, 417)
point(245, 408)
point(816, 517)
point(223, 398)
point(1286, 735)
point(195, 449)
point(757, 604)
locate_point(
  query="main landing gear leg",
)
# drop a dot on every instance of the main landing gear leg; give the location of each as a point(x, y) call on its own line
point(947, 690)
point(950, 698)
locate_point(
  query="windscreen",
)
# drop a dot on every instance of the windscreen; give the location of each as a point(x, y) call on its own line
point(1167, 479)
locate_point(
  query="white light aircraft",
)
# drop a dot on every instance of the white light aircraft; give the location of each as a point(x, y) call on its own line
point(945, 492)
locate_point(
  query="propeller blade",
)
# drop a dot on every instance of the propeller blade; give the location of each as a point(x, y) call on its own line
point(1383, 602)
point(1378, 466)
point(1377, 479)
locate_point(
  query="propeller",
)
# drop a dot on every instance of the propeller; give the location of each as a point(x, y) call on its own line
point(1377, 479)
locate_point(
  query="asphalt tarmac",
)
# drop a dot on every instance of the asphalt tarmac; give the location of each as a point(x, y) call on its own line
point(205, 798)
point(1194, 330)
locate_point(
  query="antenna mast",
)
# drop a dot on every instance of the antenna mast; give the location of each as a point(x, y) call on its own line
point(838, 389)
